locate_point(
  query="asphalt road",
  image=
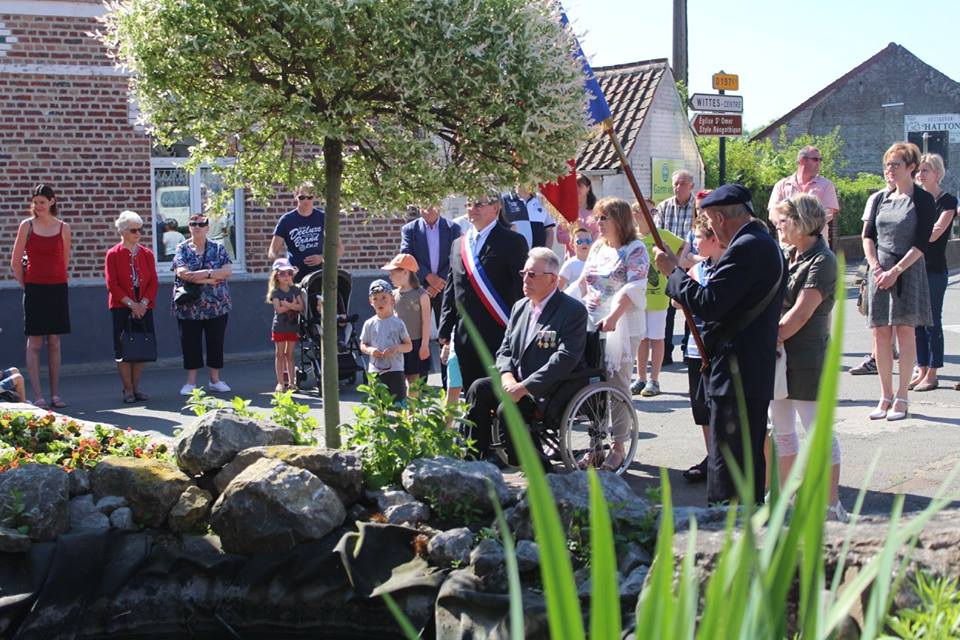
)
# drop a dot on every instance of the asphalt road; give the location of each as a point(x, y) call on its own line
point(914, 456)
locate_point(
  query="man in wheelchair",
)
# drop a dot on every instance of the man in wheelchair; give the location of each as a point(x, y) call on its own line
point(543, 345)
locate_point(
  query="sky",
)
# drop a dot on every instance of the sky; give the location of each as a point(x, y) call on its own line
point(783, 52)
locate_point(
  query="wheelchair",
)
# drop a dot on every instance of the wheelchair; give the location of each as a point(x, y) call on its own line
point(577, 419)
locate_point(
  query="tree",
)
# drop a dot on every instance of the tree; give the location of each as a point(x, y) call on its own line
point(381, 103)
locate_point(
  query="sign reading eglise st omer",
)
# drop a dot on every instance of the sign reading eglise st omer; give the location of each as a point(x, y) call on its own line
point(717, 125)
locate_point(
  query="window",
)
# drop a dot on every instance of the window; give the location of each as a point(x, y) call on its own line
point(177, 193)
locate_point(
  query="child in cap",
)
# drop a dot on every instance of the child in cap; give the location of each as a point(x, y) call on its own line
point(384, 339)
point(287, 301)
point(573, 266)
point(413, 308)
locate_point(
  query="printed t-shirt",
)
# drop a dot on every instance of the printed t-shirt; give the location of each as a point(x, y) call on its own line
point(657, 300)
point(303, 236)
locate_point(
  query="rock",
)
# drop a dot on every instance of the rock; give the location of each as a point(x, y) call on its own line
point(630, 587)
point(357, 513)
point(150, 487)
point(122, 519)
point(109, 504)
point(387, 497)
point(633, 556)
point(216, 437)
point(448, 484)
point(528, 556)
point(36, 496)
point(272, 506)
point(412, 513)
point(489, 565)
point(191, 510)
point(84, 515)
point(628, 511)
point(582, 579)
point(451, 548)
point(708, 518)
point(12, 541)
point(79, 482)
point(339, 470)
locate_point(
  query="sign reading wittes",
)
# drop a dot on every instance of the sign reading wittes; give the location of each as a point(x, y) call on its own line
point(938, 122)
point(716, 103)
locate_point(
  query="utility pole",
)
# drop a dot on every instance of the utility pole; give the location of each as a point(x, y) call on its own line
point(680, 41)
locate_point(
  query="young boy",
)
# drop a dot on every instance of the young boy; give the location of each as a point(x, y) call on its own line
point(384, 339)
point(710, 249)
point(573, 267)
point(657, 302)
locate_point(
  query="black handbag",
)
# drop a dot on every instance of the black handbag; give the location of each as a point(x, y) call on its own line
point(137, 346)
point(187, 293)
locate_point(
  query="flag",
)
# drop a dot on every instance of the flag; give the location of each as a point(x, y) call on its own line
point(562, 194)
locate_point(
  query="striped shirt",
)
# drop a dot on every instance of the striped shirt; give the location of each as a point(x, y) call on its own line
point(673, 217)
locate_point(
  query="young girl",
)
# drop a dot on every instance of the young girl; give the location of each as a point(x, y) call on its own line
point(413, 307)
point(287, 302)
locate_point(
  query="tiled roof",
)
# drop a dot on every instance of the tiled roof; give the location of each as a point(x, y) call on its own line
point(629, 89)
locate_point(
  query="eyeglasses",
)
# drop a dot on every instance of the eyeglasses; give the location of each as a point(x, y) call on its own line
point(200, 224)
point(533, 274)
point(304, 196)
point(135, 230)
point(478, 203)
point(580, 243)
point(896, 164)
point(813, 159)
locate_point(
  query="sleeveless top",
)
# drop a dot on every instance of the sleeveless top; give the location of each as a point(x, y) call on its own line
point(408, 309)
point(45, 258)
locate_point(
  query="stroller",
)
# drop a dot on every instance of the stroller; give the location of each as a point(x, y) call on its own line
point(351, 361)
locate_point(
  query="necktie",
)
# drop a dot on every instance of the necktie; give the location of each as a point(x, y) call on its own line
point(472, 239)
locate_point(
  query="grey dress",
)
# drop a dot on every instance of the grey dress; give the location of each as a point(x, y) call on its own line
point(897, 224)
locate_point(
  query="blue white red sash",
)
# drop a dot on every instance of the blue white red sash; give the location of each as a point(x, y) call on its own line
point(495, 305)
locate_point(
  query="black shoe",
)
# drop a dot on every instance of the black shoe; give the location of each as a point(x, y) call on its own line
point(697, 473)
point(866, 368)
point(667, 360)
point(637, 387)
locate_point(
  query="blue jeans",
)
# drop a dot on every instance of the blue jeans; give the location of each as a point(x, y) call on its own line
point(930, 339)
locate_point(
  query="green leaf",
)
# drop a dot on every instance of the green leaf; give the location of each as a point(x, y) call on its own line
point(605, 596)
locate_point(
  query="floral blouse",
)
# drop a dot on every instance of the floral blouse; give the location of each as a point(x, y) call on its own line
point(215, 298)
point(606, 272)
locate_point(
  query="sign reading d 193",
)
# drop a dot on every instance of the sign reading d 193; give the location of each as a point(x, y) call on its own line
point(726, 82)
point(717, 125)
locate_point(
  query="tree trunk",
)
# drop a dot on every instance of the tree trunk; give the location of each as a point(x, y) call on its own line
point(333, 167)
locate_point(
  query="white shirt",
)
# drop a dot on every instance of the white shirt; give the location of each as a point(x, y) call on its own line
point(477, 238)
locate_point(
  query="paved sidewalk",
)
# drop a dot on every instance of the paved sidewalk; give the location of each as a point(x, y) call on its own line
point(914, 456)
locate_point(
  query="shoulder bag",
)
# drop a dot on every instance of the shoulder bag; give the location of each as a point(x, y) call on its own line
point(189, 292)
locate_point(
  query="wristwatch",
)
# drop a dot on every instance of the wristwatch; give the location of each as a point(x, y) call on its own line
point(898, 269)
point(130, 303)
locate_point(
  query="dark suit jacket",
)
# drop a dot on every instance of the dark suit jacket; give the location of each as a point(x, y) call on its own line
point(503, 255)
point(544, 360)
point(743, 276)
point(413, 240)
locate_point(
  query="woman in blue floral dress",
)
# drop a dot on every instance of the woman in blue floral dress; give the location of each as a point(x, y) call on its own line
point(613, 286)
point(205, 263)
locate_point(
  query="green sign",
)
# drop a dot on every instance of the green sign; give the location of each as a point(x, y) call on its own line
point(661, 174)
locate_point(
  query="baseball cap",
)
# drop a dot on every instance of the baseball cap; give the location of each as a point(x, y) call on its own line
point(379, 286)
point(728, 194)
point(402, 261)
point(282, 264)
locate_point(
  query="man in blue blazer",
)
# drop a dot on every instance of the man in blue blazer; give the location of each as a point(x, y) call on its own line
point(741, 312)
point(428, 239)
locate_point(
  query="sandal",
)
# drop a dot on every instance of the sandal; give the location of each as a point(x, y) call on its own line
point(57, 402)
point(586, 461)
point(893, 414)
point(40, 403)
point(280, 388)
point(697, 473)
point(129, 397)
point(140, 396)
point(613, 461)
point(881, 411)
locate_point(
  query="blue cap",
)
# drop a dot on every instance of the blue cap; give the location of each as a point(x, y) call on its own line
point(728, 194)
point(379, 286)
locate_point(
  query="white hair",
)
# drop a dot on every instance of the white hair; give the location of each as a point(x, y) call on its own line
point(684, 174)
point(542, 254)
point(126, 218)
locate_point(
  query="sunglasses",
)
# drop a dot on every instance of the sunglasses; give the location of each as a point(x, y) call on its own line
point(205, 223)
point(533, 274)
point(580, 243)
point(304, 196)
point(285, 272)
point(813, 159)
point(479, 203)
point(136, 230)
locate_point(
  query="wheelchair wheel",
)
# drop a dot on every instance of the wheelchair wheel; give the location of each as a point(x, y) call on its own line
point(586, 427)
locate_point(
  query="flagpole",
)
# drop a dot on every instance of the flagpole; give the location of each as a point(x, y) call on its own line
point(657, 240)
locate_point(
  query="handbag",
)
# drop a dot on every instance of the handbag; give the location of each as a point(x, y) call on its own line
point(780, 390)
point(862, 274)
point(187, 293)
point(137, 346)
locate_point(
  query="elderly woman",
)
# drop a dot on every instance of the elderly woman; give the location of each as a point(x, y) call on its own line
point(613, 287)
point(205, 263)
point(898, 295)
point(804, 328)
point(131, 275)
point(930, 338)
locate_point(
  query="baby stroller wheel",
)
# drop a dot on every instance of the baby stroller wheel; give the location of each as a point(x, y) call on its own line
point(302, 380)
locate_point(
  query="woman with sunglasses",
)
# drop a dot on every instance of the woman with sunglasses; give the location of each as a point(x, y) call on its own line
point(206, 263)
point(41, 256)
point(131, 275)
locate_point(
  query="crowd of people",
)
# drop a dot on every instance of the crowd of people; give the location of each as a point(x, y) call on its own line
point(759, 288)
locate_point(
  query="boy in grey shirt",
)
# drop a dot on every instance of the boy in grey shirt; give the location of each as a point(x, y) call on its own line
point(384, 339)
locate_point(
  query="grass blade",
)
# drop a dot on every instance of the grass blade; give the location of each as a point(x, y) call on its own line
point(513, 571)
point(655, 605)
point(400, 617)
point(605, 596)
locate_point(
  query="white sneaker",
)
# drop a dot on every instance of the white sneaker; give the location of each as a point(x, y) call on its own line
point(219, 385)
point(187, 389)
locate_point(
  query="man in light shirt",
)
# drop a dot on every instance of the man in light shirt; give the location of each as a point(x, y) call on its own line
point(807, 179)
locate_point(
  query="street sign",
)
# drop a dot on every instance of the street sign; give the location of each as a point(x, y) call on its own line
point(716, 103)
point(718, 125)
point(726, 82)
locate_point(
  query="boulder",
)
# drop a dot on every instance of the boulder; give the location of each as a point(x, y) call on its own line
point(449, 485)
point(489, 565)
point(528, 556)
point(628, 511)
point(272, 506)
point(191, 510)
point(79, 482)
point(631, 586)
point(387, 497)
point(36, 496)
point(85, 516)
point(149, 486)
point(109, 504)
point(451, 547)
point(12, 541)
point(412, 513)
point(122, 519)
point(339, 470)
point(216, 437)
point(632, 556)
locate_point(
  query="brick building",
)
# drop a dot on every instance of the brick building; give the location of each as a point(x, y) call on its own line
point(891, 96)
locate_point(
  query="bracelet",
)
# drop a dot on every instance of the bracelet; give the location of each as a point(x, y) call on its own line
point(898, 269)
